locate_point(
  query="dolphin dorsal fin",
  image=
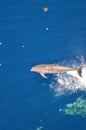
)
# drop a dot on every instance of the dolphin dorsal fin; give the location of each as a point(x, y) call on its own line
point(80, 70)
point(42, 74)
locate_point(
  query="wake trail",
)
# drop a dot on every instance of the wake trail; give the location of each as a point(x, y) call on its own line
point(70, 82)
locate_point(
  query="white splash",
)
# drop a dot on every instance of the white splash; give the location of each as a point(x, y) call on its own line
point(69, 82)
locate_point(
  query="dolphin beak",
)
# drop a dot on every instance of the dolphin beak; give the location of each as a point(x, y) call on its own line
point(31, 69)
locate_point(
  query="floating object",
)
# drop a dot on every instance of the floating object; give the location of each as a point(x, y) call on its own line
point(53, 69)
point(76, 108)
point(45, 9)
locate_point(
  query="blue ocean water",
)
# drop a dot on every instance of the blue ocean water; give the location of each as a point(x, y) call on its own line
point(26, 100)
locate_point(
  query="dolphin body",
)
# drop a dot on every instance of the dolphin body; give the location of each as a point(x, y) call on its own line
point(53, 69)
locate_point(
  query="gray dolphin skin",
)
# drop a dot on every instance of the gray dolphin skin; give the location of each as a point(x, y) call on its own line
point(53, 69)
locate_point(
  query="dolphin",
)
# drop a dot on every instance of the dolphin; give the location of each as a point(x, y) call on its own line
point(53, 69)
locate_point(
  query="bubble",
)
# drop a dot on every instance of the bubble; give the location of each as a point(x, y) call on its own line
point(0, 64)
point(23, 46)
point(40, 128)
point(0, 43)
point(46, 29)
point(41, 120)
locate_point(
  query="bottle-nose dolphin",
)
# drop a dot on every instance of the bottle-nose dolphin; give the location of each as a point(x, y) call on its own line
point(53, 69)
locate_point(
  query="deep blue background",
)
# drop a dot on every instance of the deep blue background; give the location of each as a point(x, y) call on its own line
point(25, 97)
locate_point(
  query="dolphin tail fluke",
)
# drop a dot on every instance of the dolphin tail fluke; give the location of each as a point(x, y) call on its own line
point(79, 70)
